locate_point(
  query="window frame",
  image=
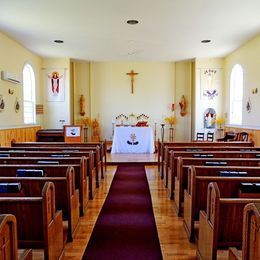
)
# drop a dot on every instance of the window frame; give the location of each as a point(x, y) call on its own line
point(31, 94)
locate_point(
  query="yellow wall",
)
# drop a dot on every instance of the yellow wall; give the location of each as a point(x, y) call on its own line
point(183, 86)
point(248, 56)
point(111, 92)
point(81, 82)
point(13, 56)
point(107, 89)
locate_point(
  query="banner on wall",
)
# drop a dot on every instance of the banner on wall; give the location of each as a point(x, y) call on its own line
point(55, 84)
point(210, 83)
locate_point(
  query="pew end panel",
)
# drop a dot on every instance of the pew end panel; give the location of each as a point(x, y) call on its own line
point(72, 204)
point(8, 237)
point(251, 232)
point(54, 241)
point(221, 223)
point(189, 202)
point(8, 240)
point(170, 188)
point(39, 225)
point(84, 185)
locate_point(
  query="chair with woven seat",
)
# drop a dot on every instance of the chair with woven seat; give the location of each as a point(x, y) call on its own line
point(243, 136)
point(210, 137)
point(200, 137)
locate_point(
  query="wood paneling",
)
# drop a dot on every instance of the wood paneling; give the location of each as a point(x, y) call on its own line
point(254, 134)
point(23, 134)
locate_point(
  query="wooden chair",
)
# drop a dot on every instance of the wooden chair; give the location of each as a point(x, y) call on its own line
point(200, 137)
point(243, 136)
point(210, 137)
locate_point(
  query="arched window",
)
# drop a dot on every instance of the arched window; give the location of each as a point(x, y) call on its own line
point(29, 94)
point(236, 95)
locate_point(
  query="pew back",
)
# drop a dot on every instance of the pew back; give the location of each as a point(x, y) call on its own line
point(39, 225)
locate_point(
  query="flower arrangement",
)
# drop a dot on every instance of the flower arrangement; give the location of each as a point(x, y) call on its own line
point(170, 120)
point(86, 121)
point(220, 121)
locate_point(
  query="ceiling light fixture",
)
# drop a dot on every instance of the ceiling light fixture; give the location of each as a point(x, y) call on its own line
point(58, 41)
point(132, 22)
point(206, 41)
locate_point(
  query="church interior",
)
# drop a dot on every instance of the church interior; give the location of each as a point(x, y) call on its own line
point(164, 94)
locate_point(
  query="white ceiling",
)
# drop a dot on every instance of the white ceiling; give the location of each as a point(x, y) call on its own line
point(96, 30)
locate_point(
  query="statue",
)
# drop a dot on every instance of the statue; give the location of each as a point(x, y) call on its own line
point(182, 104)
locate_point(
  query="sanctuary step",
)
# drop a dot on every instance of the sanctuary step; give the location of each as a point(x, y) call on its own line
point(120, 158)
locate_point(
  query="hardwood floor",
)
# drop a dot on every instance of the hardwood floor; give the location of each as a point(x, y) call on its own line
point(173, 240)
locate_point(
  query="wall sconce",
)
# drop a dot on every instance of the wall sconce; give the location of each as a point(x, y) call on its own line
point(10, 91)
point(254, 91)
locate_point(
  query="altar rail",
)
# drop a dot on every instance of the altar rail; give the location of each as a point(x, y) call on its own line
point(20, 134)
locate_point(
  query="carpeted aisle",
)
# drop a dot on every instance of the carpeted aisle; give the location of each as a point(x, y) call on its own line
point(125, 228)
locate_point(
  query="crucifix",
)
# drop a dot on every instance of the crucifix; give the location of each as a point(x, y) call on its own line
point(132, 74)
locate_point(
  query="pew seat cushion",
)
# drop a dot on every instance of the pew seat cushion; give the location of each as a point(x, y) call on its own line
point(29, 173)
point(232, 173)
point(4, 155)
point(203, 155)
point(60, 155)
point(250, 187)
point(209, 163)
point(47, 162)
point(12, 187)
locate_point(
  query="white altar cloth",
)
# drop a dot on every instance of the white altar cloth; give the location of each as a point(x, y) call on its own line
point(128, 139)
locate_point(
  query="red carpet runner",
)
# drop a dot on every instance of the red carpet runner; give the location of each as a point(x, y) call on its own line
point(125, 228)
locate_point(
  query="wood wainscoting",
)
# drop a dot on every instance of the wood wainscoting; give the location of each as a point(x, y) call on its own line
point(20, 134)
point(254, 134)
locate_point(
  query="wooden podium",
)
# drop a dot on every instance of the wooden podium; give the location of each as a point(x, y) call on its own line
point(72, 133)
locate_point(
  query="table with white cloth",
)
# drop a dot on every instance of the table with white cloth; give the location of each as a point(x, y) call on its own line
point(129, 139)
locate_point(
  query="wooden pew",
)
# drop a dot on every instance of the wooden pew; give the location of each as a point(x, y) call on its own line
point(167, 149)
point(81, 151)
point(172, 168)
point(81, 183)
point(50, 135)
point(198, 179)
point(220, 226)
point(66, 197)
point(101, 144)
point(251, 235)
point(86, 165)
point(8, 237)
point(181, 178)
point(162, 145)
point(59, 152)
point(39, 224)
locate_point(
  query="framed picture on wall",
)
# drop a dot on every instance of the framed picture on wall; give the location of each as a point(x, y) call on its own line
point(55, 84)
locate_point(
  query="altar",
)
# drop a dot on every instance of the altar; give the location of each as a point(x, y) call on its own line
point(131, 139)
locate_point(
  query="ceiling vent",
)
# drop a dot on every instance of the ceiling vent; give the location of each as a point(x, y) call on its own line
point(5, 75)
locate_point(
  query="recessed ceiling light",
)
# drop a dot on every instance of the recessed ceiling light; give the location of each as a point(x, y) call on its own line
point(59, 41)
point(206, 41)
point(132, 22)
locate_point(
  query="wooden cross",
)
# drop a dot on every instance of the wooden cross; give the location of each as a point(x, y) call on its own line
point(132, 74)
